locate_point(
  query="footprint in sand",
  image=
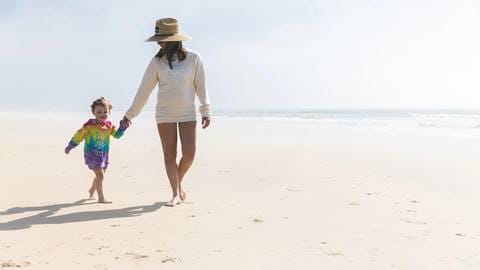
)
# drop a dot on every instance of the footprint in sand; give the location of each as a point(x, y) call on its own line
point(294, 190)
point(102, 247)
point(414, 201)
point(136, 256)
point(425, 233)
point(353, 204)
point(257, 220)
point(15, 264)
point(334, 254)
point(139, 256)
point(171, 259)
point(414, 221)
point(411, 237)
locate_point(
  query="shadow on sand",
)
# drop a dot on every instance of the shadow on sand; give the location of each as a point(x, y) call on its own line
point(46, 217)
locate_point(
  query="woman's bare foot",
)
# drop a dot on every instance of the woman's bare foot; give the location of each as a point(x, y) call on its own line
point(183, 195)
point(103, 200)
point(91, 193)
point(175, 200)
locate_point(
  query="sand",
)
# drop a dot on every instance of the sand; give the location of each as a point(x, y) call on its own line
point(261, 194)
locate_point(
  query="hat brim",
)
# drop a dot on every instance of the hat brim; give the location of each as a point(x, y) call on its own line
point(175, 37)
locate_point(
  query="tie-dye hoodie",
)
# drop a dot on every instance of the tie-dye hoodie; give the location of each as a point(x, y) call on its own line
point(97, 141)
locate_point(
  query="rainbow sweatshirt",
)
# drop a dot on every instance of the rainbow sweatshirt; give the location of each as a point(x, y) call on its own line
point(97, 141)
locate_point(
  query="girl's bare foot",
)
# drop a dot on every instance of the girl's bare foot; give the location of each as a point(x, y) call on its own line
point(183, 195)
point(175, 200)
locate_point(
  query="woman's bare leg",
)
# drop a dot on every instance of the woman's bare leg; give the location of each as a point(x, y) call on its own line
point(187, 132)
point(92, 189)
point(168, 136)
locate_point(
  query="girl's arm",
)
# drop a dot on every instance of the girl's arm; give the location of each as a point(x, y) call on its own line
point(150, 79)
point(118, 133)
point(77, 138)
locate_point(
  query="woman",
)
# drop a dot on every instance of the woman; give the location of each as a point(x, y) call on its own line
point(180, 76)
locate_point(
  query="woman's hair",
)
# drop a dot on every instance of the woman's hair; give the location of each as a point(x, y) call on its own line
point(101, 102)
point(172, 48)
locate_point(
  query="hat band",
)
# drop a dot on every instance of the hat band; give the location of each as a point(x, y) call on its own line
point(165, 35)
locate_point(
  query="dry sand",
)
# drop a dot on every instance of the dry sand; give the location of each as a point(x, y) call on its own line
point(261, 194)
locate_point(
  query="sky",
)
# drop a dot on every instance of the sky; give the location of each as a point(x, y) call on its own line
point(258, 55)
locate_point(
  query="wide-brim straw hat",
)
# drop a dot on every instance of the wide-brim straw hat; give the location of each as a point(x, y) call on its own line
point(167, 29)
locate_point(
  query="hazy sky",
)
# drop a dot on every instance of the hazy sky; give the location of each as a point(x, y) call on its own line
point(294, 54)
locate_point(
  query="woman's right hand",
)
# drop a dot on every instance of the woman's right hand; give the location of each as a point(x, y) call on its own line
point(205, 122)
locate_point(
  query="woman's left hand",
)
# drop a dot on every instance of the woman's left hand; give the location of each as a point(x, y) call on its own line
point(205, 122)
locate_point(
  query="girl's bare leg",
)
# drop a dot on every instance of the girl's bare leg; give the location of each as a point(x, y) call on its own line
point(187, 132)
point(168, 136)
point(99, 175)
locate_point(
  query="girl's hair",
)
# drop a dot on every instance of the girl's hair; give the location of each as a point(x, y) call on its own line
point(101, 102)
point(172, 48)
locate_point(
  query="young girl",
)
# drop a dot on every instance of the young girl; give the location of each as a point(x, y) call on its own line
point(96, 133)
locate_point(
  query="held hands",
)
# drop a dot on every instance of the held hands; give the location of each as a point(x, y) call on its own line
point(125, 122)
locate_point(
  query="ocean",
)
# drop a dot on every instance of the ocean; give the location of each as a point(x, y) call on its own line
point(427, 119)
point(423, 119)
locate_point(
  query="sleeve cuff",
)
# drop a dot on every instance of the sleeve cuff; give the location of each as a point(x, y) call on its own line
point(123, 126)
point(71, 145)
point(205, 110)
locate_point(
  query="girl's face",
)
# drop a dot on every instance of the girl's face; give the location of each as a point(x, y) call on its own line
point(101, 113)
